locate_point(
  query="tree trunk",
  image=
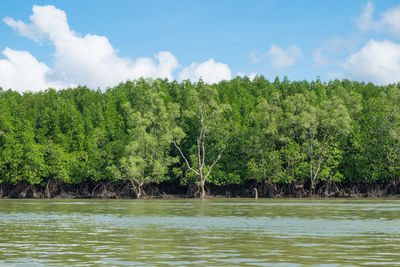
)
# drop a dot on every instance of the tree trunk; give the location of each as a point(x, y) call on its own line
point(23, 193)
point(137, 189)
point(203, 191)
point(312, 185)
point(94, 189)
point(48, 195)
point(140, 191)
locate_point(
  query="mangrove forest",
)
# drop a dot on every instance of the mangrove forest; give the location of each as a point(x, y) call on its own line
point(240, 137)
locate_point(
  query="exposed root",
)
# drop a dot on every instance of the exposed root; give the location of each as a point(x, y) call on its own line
point(104, 189)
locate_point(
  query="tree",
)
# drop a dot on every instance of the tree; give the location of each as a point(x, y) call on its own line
point(285, 132)
point(265, 163)
point(379, 140)
point(212, 130)
point(151, 129)
point(324, 127)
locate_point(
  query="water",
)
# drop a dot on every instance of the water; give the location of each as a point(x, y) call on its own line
point(228, 232)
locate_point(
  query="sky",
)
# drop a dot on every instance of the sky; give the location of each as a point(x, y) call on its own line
point(99, 44)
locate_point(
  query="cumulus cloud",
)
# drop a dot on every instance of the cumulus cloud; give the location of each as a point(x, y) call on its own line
point(26, 30)
point(388, 20)
point(86, 60)
point(90, 59)
point(209, 71)
point(279, 58)
point(372, 60)
point(22, 71)
point(377, 61)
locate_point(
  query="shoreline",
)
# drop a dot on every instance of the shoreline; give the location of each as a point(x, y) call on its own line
point(168, 190)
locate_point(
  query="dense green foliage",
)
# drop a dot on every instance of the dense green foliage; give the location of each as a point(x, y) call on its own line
point(277, 131)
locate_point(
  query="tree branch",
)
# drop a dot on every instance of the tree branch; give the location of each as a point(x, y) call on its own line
point(183, 156)
point(201, 141)
point(199, 154)
point(219, 156)
point(215, 162)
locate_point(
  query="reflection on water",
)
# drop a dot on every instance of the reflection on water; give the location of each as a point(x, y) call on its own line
point(212, 232)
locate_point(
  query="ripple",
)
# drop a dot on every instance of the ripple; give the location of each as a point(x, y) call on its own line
point(187, 232)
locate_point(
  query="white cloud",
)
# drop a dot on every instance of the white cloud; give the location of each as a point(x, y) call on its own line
point(279, 58)
point(251, 75)
point(388, 21)
point(209, 71)
point(283, 58)
point(333, 51)
point(91, 59)
point(86, 60)
point(20, 68)
point(377, 61)
point(391, 18)
point(365, 21)
point(21, 71)
point(26, 30)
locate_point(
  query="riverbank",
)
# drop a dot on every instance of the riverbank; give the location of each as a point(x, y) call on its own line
point(174, 190)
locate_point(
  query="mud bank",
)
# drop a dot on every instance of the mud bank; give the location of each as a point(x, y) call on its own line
point(174, 190)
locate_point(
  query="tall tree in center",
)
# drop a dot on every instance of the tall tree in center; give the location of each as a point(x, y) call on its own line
point(212, 127)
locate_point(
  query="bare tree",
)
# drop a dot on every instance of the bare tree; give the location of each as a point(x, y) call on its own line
point(211, 122)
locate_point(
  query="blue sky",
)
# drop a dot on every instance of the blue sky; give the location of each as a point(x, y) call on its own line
point(98, 43)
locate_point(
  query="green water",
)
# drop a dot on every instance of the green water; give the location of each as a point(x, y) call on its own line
point(230, 232)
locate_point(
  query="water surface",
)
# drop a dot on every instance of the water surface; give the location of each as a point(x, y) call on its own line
point(193, 232)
